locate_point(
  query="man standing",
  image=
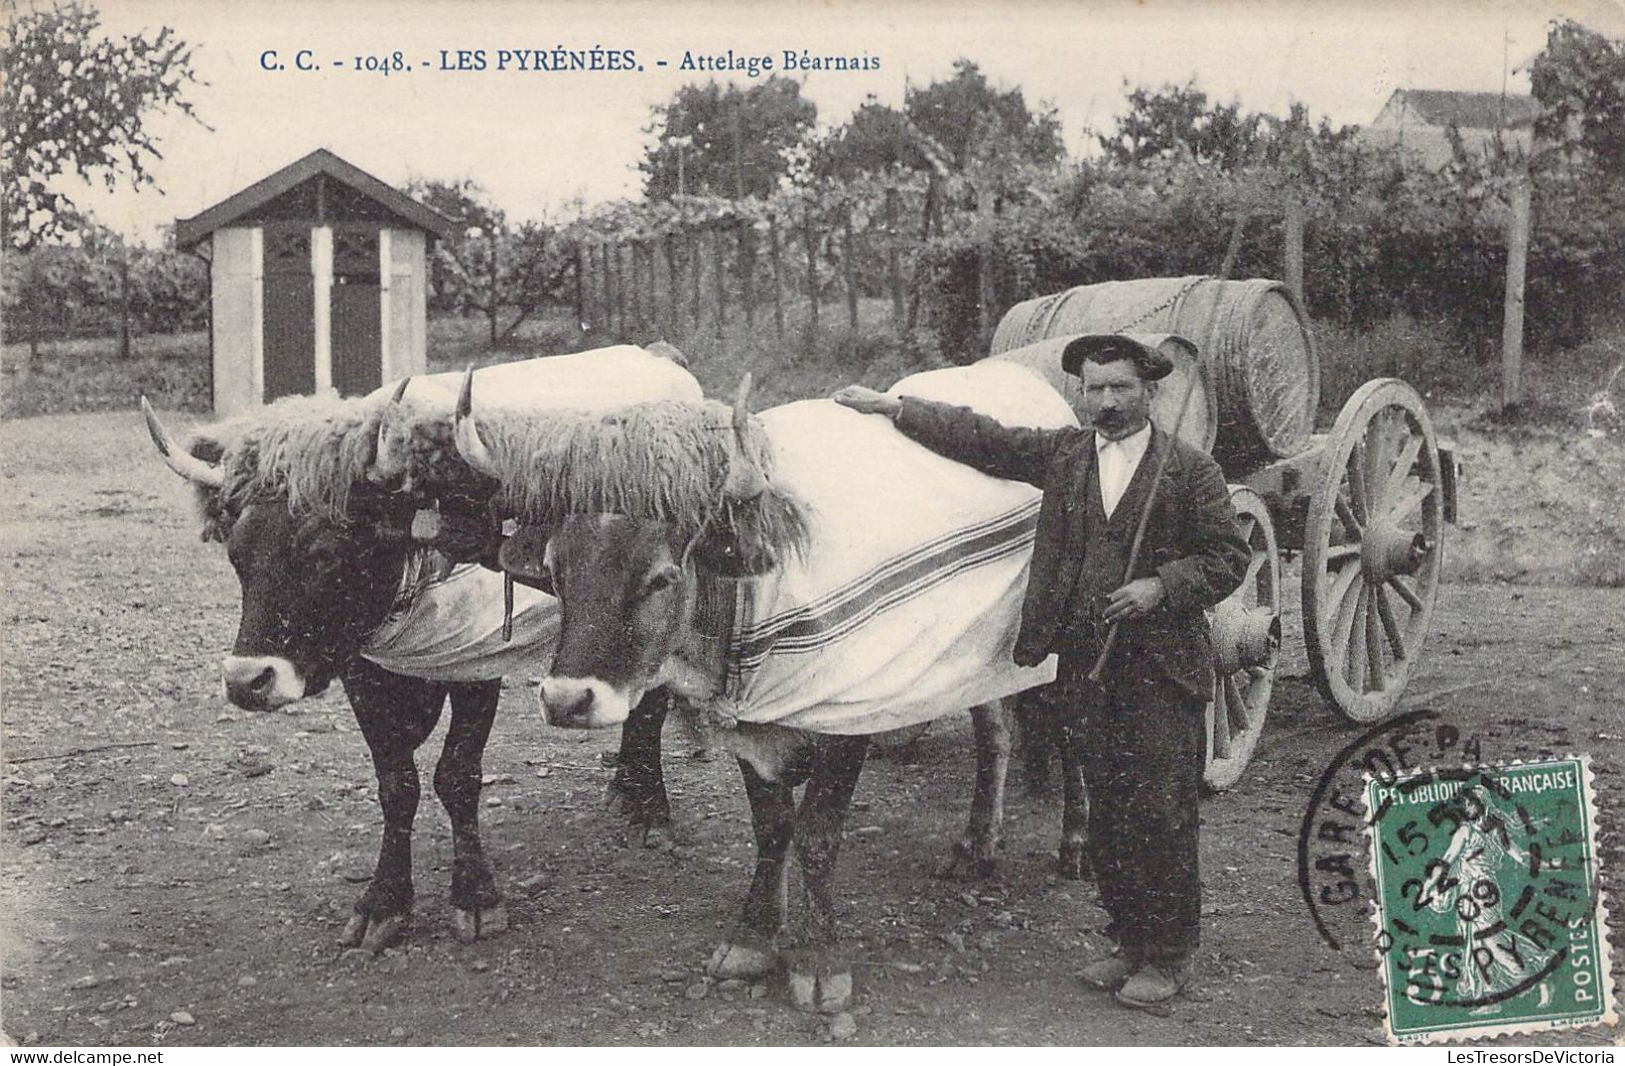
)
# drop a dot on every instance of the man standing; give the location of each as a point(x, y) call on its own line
point(1143, 743)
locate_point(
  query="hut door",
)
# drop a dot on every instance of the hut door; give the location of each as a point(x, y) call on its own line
point(357, 334)
point(290, 301)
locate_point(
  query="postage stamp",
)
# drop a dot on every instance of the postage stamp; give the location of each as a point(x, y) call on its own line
point(1488, 909)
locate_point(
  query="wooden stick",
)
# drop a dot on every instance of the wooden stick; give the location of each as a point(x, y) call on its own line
point(83, 751)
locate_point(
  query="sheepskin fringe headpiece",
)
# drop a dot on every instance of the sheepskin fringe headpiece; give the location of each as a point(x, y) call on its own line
point(665, 461)
point(312, 449)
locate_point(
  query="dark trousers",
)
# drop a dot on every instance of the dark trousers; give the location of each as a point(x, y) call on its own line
point(1141, 746)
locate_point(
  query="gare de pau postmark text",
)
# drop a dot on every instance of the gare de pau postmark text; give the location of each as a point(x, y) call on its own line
point(1489, 918)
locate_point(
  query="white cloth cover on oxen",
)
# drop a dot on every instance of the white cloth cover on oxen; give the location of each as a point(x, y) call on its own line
point(590, 380)
point(907, 603)
point(447, 621)
point(447, 626)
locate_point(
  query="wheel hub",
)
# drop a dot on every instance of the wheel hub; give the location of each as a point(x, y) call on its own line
point(1387, 551)
point(1244, 637)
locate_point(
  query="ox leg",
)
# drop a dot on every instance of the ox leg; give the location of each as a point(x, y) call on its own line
point(748, 952)
point(638, 789)
point(476, 903)
point(818, 979)
point(975, 853)
point(396, 714)
point(1075, 810)
point(1039, 741)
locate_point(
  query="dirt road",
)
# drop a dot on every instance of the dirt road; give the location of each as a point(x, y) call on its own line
point(184, 882)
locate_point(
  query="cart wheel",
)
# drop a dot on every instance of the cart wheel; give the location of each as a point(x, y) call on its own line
point(1246, 639)
point(1372, 549)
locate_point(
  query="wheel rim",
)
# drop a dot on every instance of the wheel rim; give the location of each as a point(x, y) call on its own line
point(1373, 549)
point(1245, 632)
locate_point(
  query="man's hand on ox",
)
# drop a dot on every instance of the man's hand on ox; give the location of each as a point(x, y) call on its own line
point(1139, 597)
point(868, 401)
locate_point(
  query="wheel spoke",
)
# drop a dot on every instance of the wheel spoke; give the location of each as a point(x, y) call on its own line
point(1253, 570)
point(1353, 654)
point(1405, 591)
point(1413, 494)
point(1338, 593)
point(1343, 625)
point(1376, 461)
point(1338, 554)
point(1373, 646)
point(1385, 611)
point(1221, 725)
point(1236, 705)
point(1402, 466)
point(1352, 526)
point(1357, 482)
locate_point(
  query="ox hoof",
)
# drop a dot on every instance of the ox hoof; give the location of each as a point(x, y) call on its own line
point(744, 962)
point(969, 863)
point(479, 923)
point(1074, 865)
point(373, 932)
point(817, 988)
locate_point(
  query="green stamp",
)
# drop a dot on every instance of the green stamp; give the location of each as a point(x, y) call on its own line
point(1488, 911)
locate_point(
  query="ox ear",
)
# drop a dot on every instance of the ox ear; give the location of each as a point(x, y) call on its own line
point(523, 557)
point(178, 459)
point(467, 434)
point(745, 478)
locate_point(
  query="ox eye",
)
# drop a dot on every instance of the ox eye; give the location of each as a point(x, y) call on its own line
point(661, 579)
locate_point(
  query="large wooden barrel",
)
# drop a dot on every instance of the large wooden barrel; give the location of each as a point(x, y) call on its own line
point(1201, 414)
point(1252, 336)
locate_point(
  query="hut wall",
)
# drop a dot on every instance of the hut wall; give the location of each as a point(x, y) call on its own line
point(404, 304)
point(239, 318)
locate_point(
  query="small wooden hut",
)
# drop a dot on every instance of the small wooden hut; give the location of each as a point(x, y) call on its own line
point(318, 280)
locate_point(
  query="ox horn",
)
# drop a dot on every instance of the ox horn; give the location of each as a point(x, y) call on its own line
point(745, 479)
point(384, 462)
point(467, 435)
point(178, 459)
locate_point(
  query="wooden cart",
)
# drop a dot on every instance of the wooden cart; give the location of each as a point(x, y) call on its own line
point(1364, 504)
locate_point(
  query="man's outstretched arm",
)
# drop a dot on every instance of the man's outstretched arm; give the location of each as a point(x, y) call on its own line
point(1015, 454)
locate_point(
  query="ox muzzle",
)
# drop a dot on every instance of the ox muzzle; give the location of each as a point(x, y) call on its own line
point(584, 703)
point(261, 682)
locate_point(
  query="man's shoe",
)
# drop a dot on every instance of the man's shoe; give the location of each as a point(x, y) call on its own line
point(1108, 974)
point(1153, 984)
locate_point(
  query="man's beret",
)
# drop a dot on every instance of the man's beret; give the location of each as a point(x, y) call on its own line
point(1143, 351)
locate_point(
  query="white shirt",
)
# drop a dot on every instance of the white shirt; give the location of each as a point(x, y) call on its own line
point(1116, 461)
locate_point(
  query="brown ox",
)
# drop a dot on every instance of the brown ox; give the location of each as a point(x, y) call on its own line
point(634, 596)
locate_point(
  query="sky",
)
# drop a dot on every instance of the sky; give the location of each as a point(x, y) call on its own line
point(535, 140)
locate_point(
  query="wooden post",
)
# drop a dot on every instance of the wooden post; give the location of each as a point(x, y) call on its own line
point(894, 266)
point(606, 306)
point(611, 325)
point(1292, 250)
point(580, 294)
point(778, 282)
point(849, 256)
point(1512, 321)
point(123, 301)
point(719, 265)
point(623, 276)
point(747, 272)
point(984, 260)
point(674, 323)
point(811, 243)
point(694, 264)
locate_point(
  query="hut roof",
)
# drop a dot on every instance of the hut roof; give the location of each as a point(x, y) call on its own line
point(321, 164)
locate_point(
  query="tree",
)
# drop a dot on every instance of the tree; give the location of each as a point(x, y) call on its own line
point(1579, 79)
point(487, 264)
point(75, 102)
point(1178, 120)
point(734, 143)
point(961, 113)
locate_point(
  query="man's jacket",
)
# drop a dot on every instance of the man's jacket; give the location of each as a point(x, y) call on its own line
point(1192, 541)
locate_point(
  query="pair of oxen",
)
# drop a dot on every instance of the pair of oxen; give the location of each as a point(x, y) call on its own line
point(337, 513)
